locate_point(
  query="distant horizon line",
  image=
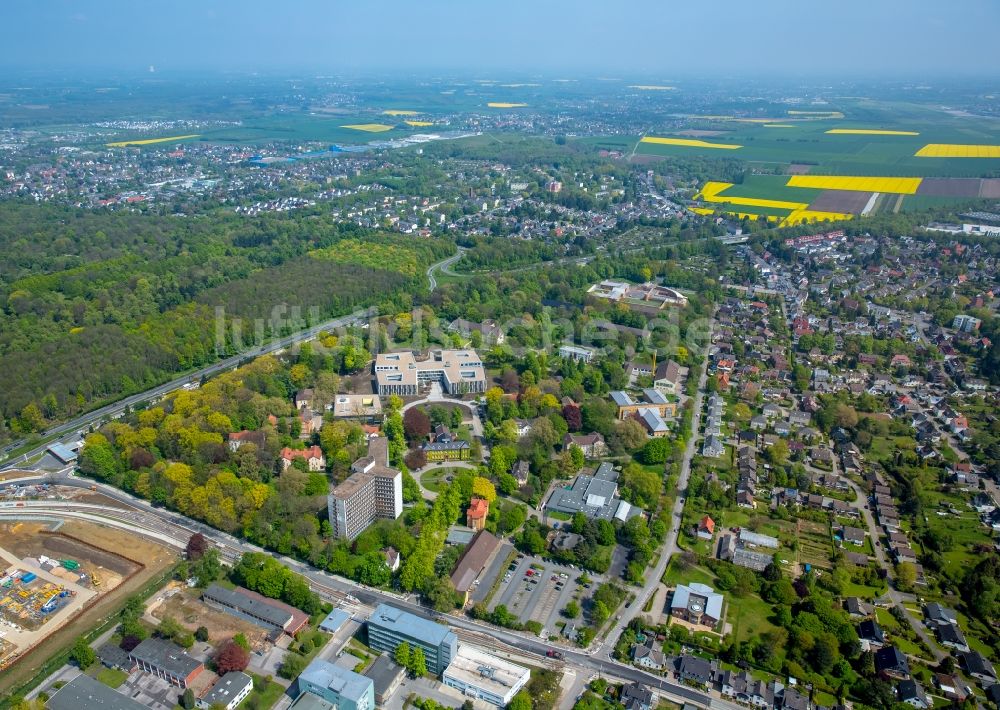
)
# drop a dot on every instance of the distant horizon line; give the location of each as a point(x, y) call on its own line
point(492, 74)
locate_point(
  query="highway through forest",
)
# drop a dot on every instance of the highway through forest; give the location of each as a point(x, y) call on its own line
point(115, 409)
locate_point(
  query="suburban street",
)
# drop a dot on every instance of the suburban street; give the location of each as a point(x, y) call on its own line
point(893, 594)
point(669, 548)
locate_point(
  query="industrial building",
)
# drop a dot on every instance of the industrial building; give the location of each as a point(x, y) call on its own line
point(457, 371)
point(345, 689)
point(388, 627)
point(372, 492)
point(482, 676)
point(273, 615)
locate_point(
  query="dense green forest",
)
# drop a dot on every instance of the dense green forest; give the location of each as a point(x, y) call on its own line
point(99, 305)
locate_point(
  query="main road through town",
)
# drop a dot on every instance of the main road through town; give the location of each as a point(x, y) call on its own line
point(174, 529)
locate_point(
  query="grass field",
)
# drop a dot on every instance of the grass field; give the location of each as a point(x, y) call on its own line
point(112, 677)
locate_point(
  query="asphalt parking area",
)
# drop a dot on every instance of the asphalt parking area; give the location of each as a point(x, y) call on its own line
point(536, 590)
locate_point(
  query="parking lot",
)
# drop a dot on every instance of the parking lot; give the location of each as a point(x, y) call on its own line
point(536, 590)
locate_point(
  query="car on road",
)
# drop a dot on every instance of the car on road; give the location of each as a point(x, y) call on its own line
point(552, 653)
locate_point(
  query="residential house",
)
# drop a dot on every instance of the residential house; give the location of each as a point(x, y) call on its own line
point(313, 456)
point(706, 528)
point(647, 655)
point(636, 696)
point(870, 631)
point(667, 377)
point(855, 536)
point(952, 687)
point(978, 667)
point(858, 608)
point(910, 692)
point(520, 472)
point(891, 663)
point(695, 669)
point(592, 445)
point(238, 438)
point(712, 447)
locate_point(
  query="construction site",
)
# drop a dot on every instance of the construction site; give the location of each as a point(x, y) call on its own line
point(57, 579)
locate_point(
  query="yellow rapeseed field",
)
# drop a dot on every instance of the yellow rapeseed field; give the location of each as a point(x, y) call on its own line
point(895, 185)
point(369, 127)
point(399, 112)
point(954, 150)
point(711, 192)
point(869, 132)
point(419, 124)
point(688, 142)
point(502, 104)
point(805, 215)
point(150, 141)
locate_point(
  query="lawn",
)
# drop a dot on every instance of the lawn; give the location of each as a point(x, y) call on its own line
point(748, 616)
point(434, 476)
point(886, 620)
point(860, 590)
point(112, 677)
point(676, 575)
point(264, 695)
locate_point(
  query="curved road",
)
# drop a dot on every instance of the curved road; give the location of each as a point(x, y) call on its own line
point(117, 408)
point(444, 266)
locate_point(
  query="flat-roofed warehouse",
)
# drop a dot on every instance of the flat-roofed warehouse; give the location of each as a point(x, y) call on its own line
point(83, 693)
point(482, 676)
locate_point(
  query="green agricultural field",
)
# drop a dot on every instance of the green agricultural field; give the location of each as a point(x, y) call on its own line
point(791, 140)
point(310, 127)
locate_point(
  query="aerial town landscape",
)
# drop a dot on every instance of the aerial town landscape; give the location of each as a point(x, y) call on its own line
point(335, 378)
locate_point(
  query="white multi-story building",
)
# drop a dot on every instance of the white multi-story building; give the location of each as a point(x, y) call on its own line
point(458, 372)
point(966, 324)
point(480, 675)
point(373, 491)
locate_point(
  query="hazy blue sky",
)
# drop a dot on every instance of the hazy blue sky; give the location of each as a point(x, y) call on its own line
point(653, 37)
